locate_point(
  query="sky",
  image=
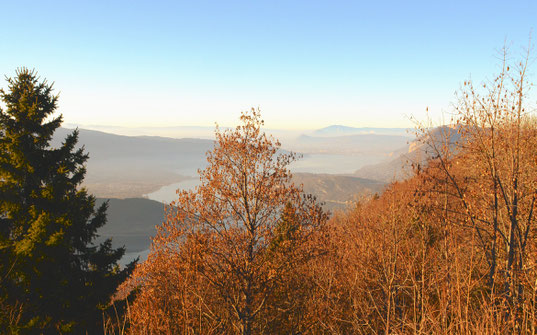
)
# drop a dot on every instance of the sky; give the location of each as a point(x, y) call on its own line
point(305, 64)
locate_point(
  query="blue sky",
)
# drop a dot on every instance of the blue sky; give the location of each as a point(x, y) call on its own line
point(306, 64)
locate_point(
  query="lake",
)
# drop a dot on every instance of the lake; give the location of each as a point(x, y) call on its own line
point(311, 163)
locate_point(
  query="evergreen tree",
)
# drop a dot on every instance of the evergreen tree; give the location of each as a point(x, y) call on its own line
point(54, 278)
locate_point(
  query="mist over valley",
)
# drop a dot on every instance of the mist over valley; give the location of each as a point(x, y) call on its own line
point(140, 175)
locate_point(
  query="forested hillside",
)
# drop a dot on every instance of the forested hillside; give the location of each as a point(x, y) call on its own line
point(448, 249)
point(268, 167)
point(439, 238)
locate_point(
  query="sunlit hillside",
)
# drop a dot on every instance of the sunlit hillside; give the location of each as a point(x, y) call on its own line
point(268, 167)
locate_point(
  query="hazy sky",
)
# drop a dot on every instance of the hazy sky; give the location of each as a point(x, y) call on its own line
point(307, 64)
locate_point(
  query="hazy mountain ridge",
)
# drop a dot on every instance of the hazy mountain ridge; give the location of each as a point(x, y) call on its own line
point(416, 152)
point(339, 130)
point(130, 166)
point(180, 132)
point(381, 145)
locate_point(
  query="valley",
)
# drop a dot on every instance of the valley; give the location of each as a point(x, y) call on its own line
point(139, 175)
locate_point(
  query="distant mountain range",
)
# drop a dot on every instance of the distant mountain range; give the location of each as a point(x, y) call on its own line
point(338, 130)
point(178, 132)
point(130, 166)
point(207, 132)
point(371, 144)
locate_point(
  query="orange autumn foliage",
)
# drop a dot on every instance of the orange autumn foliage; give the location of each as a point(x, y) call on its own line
point(218, 263)
point(450, 250)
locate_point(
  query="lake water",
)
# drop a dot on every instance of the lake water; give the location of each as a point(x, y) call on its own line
point(168, 193)
point(312, 163)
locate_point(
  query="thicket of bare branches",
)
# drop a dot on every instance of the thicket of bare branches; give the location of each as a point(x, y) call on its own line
point(451, 250)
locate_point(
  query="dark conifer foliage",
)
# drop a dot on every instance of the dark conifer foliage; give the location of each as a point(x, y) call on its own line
point(54, 278)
